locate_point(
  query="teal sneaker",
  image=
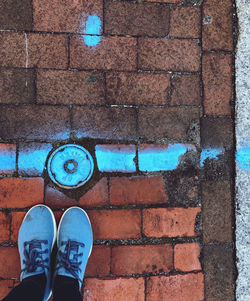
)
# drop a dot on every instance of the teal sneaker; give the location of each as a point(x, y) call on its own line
point(74, 241)
point(36, 238)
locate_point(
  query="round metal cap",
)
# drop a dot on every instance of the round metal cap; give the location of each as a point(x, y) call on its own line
point(70, 166)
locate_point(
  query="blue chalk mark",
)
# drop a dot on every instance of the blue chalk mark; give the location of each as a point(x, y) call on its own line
point(93, 29)
point(159, 158)
point(210, 153)
point(7, 162)
point(243, 158)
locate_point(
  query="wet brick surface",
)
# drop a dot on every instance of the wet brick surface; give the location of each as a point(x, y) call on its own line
point(147, 87)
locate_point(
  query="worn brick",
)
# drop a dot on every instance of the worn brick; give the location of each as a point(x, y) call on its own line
point(99, 261)
point(217, 30)
point(17, 86)
point(127, 18)
point(12, 51)
point(9, 262)
point(186, 257)
point(56, 199)
point(16, 15)
point(219, 272)
point(20, 193)
point(185, 22)
point(96, 196)
point(137, 88)
point(34, 122)
point(17, 219)
point(8, 158)
point(137, 190)
point(4, 226)
point(47, 51)
point(170, 222)
point(189, 287)
point(165, 1)
point(103, 122)
point(141, 259)
point(111, 53)
point(185, 90)
point(5, 287)
point(70, 87)
point(166, 122)
point(168, 54)
point(114, 224)
point(58, 215)
point(217, 211)
point(125, 289)
point(217, 80)
point(64, 16)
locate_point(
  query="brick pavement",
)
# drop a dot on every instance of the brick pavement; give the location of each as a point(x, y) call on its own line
point(160, 73)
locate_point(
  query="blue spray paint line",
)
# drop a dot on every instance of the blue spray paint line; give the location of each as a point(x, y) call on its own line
point(7, 162)
point(157, 158)
point(93, 29)
point(243, 158)
point(209, 153)
point(111, 158)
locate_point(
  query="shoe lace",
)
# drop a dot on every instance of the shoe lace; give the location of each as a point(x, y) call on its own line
point(71, 265)
point(33, 257)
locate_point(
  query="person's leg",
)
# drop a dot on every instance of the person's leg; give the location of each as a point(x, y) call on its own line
point(74, 241)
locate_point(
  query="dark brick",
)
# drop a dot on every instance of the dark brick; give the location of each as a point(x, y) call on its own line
point(185, 22)
point(217, 211)
point(217, 30)
point(185, 90)
point(137, 88)
point(70, 87)
point(16, 15)
point(127, 18)
point(219, 268)
point(56, 199)
point(17, 85)
point(110, 53)
point(34, 122)
point(103, 122)
point(217, 80)
point(168, 54)
point(166, 122)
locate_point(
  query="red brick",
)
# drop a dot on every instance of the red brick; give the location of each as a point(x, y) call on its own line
point(137, 190)
point(170, 222)
point(56, 199)
point(185, 90)
point(168, 54)
point(122, 289)
point(20, 193)
point(64, 16)
point(167, 122)
point(9, 262)
point(5, 287)
point(114, 224)
point(111, 53)
point(96, 196)
point(137, 88)
point(127, 18)
point(17, 219)
point(70, 87)
point(4, 226)
point(186, 257)
point(8, 158)
point(165, 1)
point(185, 22)
point(141, 259)
point(47, 51)
point(99, 261)
point(58, 215)
point(12, 51)
point(217, 80)
point(217, 30)
point(189, 287)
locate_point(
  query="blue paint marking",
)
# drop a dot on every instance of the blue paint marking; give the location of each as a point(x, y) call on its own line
point(243, 158)
point(7, 162)
point(156, 158)
point(210, 153)
point(93, 30)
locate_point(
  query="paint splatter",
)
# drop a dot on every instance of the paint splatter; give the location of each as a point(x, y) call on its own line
point(243, 158)
point(210, 153)
point(93, 30)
